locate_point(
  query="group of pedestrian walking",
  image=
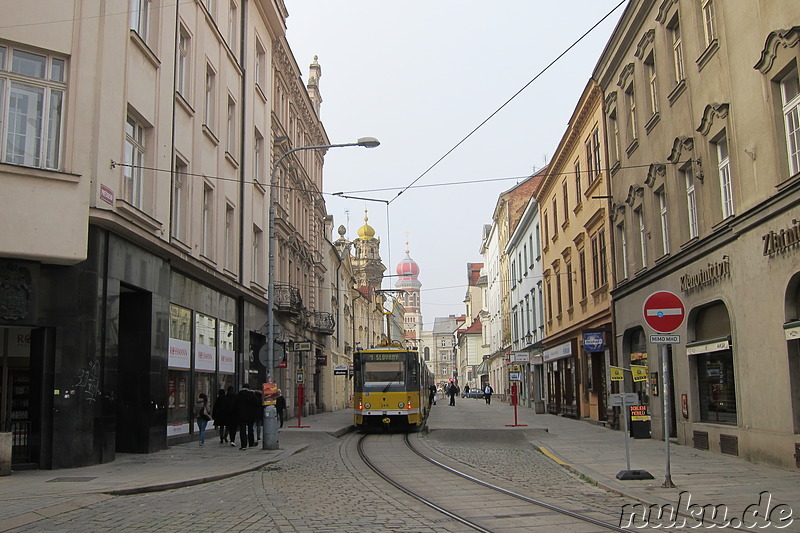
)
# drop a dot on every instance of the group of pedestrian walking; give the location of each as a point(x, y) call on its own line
point(235, 412)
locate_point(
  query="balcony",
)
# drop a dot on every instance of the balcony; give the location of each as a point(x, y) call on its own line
point(288, 299)
point(321, 322)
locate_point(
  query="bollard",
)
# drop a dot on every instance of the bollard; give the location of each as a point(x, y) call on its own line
point(270, 440)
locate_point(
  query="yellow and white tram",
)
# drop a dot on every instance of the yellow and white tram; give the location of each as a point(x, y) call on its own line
point(390, 388)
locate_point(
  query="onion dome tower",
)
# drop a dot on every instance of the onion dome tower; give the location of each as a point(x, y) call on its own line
point(367, 266)
point(407, 279)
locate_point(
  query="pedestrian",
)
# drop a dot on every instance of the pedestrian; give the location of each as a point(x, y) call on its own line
point(452, 390)
point(466, 391)
point(218, 414)
point(432, 394)
point(244, 415)
point(487, 393)
point(280, 406)
point(202, 415)
point(230, 416)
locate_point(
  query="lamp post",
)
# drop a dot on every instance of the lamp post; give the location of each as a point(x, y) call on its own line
point(367, 142)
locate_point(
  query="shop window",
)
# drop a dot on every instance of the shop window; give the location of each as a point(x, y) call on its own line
point(179, 363)
point(635, 344)
point(716, 387)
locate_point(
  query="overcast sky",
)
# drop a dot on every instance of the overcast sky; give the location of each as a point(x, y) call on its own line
point(420, 75)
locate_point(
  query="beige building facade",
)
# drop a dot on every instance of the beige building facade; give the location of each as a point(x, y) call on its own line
point(578, 277)
point(138, 139)
point(701, 103)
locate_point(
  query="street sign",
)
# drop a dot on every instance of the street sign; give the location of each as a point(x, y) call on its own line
point(514, 376)
point(304, 346)
point(628, 398)
point(664, 311)
point(665, 339)
point(339, 370)
point(299, 379)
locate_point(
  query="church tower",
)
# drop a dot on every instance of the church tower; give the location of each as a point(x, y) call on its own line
point(407, 280)
point(367, 266)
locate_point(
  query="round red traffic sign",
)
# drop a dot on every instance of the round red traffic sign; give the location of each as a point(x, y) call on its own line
point(663, 311)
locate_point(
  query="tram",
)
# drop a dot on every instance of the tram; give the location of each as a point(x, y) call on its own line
point(390, 386)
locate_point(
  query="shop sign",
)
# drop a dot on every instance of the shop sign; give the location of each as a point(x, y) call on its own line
point(304, 346)
point(521, 357)
point(639, 373)
point(339, 370)
point(559, 352)
point(226, 361)
point(617, 373)
point(714, 346)
point(205, 357)
point(639, 413)
point(781, 241)
point(792, 330)
point(594, 342)
point(107, 194)
point(179, 353)
point(706, 276)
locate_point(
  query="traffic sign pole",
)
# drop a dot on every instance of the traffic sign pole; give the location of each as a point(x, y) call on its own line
point(667, 426)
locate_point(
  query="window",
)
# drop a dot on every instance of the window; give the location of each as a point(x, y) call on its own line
point(601, 237)
point(677, 50)
point(630, 101)
point(709, 21)
point(555, 217)
point(258, 157)
point(623, 243)
point(541, 304)
point(549, 302)
point(32, 92)
point(210, 7)
point(140, 17)
point(180, 199)
point(530, 247)
point(724, 166)
point(716, 387)
point(652, 89)
point(662, 208)
point(546, 230)
point(210, 99)
point(589, 161)
point(184, 62)
point(538, 241)
point(525, 259)
point(790, 97)
point(233, 25)
point(596, 150)
point(513, 273)
point(230, 238)
point(134, 161)
point(570, 295)
point(614, 129)
point(207, 220)
point(578, 189)
point(595, 263)
point(258, 245)
point(565, 191)
point(231, 127)
point(642, 237)
point(691, 201)
point(260, 67)
point(582, 267)
point(558, 293)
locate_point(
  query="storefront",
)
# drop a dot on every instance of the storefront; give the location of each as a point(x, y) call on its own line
point(562, 379)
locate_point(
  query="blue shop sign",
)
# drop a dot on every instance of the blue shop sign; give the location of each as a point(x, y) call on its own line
point(594, 342)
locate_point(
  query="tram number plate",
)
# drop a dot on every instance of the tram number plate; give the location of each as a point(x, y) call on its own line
point(384, 413)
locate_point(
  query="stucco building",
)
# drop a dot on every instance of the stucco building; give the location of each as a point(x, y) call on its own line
point(701, 103)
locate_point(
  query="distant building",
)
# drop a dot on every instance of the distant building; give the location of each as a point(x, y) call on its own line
point(408, 281)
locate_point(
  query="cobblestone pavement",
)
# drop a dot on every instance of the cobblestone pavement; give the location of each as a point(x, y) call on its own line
point(327, 489)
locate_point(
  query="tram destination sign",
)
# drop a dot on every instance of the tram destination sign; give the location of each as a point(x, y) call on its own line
point(665, 339)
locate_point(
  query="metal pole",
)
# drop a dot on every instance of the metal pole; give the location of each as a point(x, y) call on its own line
point(665, 391)
point(625, 420)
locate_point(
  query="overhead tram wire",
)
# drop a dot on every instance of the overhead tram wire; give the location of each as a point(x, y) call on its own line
point(496, 111)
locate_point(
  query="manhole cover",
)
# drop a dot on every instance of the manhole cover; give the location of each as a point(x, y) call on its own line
point(74, 479)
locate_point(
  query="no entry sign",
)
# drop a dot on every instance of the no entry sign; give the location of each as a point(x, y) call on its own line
point(663, 311)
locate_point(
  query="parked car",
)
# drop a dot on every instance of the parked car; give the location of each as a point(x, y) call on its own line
point(473, 393)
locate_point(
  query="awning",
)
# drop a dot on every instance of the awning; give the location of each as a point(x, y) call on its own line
point(707, 346)
point(483, 368)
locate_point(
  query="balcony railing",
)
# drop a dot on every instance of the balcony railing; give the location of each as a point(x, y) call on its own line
point(322, 322)
point(288, 299)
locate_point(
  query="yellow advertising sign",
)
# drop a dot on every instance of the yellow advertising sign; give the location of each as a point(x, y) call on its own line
point(617, 373)
point(639, 373)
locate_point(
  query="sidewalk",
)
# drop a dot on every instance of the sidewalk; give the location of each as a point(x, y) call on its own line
point(595, 452)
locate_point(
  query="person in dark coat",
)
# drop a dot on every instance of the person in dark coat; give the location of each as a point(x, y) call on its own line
point(229, 415)
point(218, 414)
point(244, 415)
point(452, 391)
point(280, 406)
point(432, 394)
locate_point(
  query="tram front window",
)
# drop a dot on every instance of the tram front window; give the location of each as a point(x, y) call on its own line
point(383, 376)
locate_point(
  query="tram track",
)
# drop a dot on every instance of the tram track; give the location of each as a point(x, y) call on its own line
point(402, 466)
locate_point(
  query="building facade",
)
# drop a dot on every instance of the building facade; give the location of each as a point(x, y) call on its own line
point(144, 135)
point(701, 105)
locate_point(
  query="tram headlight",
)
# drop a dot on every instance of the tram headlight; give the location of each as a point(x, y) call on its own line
point(401, 405)
point(367, 405)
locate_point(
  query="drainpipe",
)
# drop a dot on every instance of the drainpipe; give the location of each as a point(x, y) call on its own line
point(240, 303)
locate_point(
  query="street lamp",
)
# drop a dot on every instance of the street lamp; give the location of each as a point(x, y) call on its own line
point(367, 142)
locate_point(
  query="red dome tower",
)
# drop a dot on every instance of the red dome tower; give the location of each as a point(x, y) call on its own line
point(407, 279)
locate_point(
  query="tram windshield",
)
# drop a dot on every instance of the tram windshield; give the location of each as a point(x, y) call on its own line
point(383, 376)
